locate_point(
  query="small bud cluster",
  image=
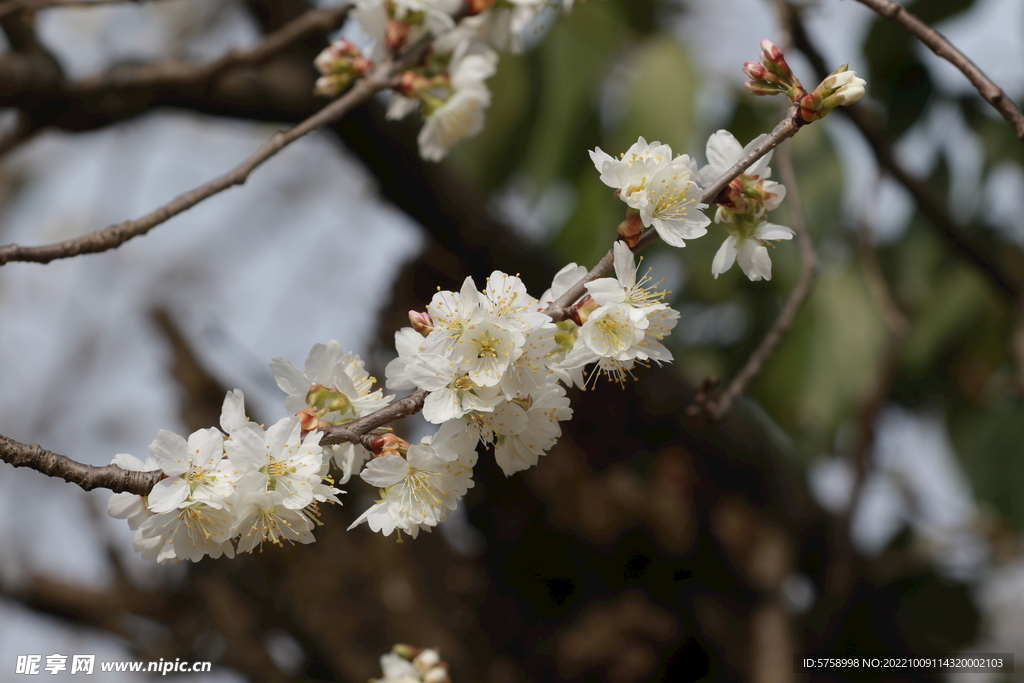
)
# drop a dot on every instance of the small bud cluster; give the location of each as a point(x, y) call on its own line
point(408, 664)
point(840, 88)
point(339, 64)
point(773, 76)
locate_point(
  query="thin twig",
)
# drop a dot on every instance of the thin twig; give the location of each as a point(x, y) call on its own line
point(808, 270)
point(929, 205)
point(116, 235)
point(312, 22)
point(938, 44)
point(356, 431)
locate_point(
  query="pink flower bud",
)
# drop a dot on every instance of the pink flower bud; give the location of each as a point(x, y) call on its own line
point(310, 420)
point(362, 65)
point(331, 86)
point(773, 75)
point(421, 322)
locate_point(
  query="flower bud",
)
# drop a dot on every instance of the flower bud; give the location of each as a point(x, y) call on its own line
point(339, 64)
point(331, 86)
point(426, 660)
point(773, 75)
point(421, 322)
point(436, 675)
point(840, 88)
point(473, 7)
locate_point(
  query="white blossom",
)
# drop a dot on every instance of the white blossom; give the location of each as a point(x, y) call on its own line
point(452, 392)
point(544, 410)
point(196, 470)
point(417, 491)
point(751, 252)
point(673, 204)
point(630, 173)
point(285, 463)
point(261, 515)
point(486, 349)
point(188, 533)
point(408, 343)
point(331, 367)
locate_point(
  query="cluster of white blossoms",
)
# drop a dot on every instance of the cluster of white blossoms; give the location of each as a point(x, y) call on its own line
point(227, 492)
point(664, 192)
point(448, 87)
point(743, 207)
point(496, 368)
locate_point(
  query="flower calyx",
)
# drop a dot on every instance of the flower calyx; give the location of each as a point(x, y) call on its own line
point(631, 228)
point(580, 312)
point(387, 444)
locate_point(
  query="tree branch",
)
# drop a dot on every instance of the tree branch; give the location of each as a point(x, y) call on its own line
point(116, 235)
point(87, 476)
point(313, 22)
point(928, 204)
point(938, 44)
point(356, 431)
point(808, 271)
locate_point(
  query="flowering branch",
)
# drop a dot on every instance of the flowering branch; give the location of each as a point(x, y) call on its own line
point(88, 477)
point(358, 431)
point(808, 271)
point(785, 129)
point(114, 236)
point(938, 44)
